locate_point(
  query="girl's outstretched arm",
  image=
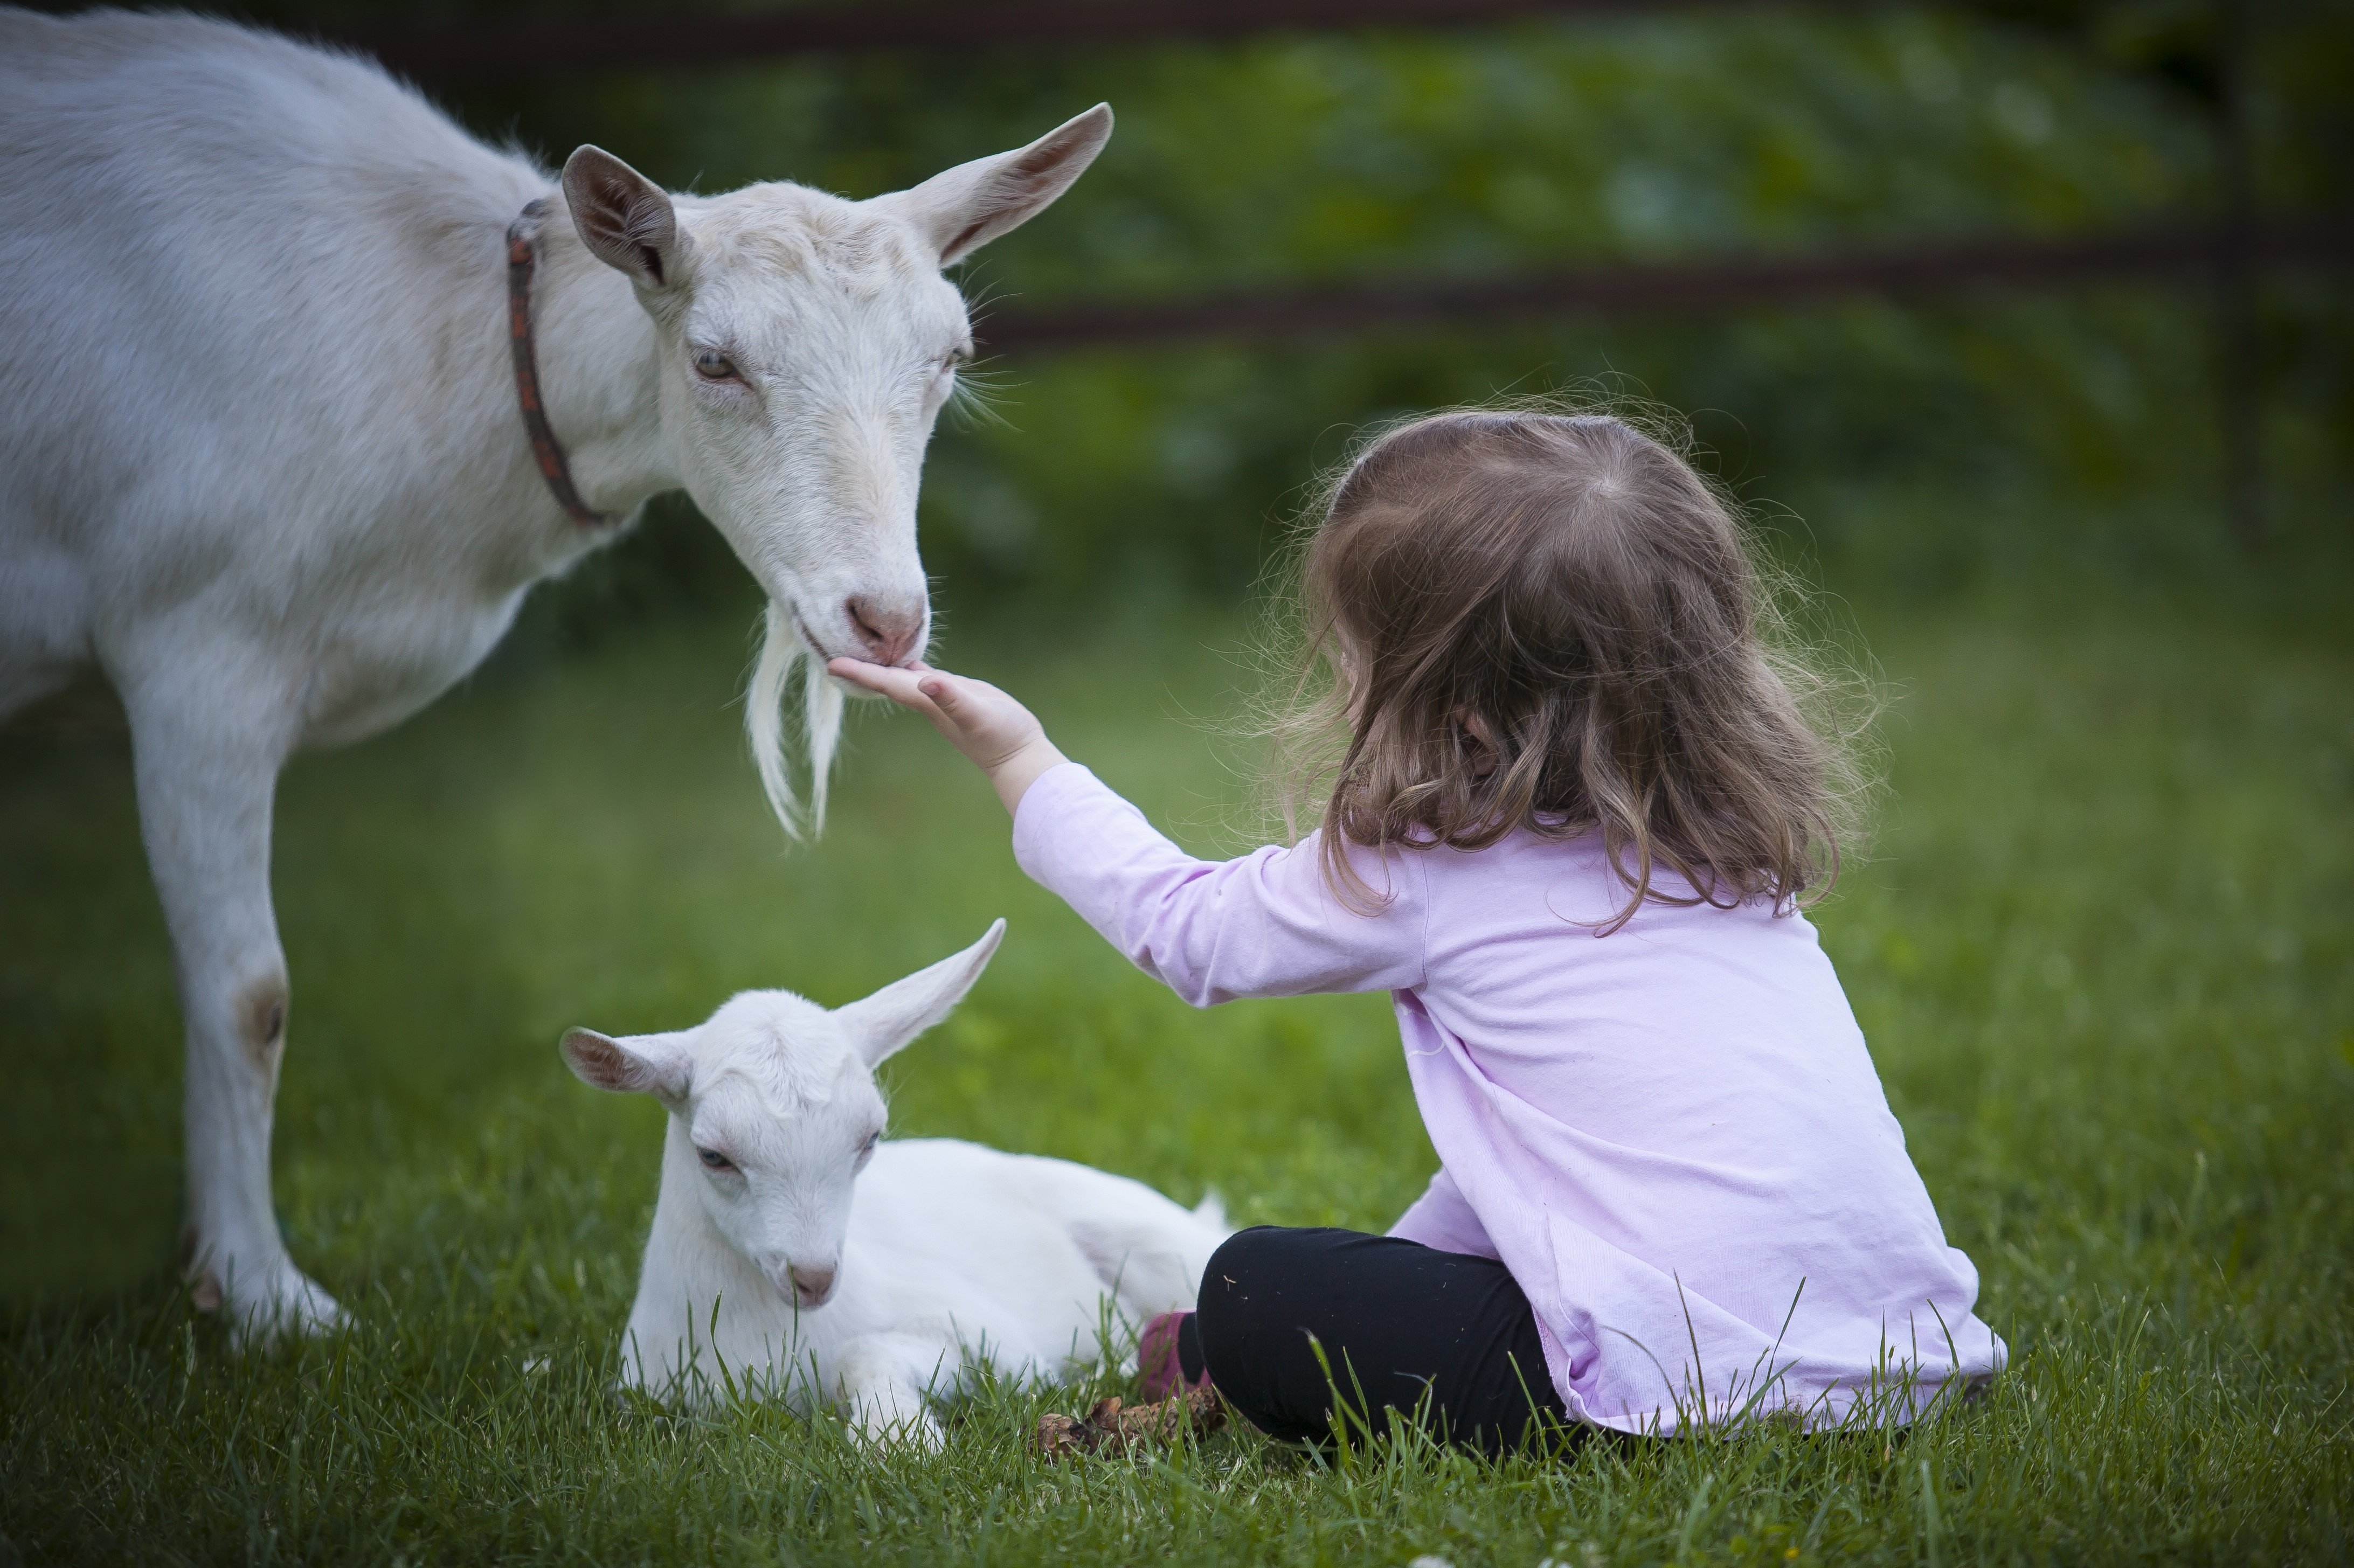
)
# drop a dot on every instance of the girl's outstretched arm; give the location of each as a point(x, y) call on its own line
point(1265, 924)
point(1001, 736)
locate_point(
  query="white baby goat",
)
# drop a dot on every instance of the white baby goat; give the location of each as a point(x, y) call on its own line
point(795, 1251)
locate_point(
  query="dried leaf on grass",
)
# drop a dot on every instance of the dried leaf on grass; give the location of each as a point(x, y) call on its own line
point(1114, 1427)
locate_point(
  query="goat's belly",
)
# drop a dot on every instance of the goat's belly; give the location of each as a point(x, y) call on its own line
point(959, 1241)
point(1022, 1295)
point(386, 667)
point(44, 621)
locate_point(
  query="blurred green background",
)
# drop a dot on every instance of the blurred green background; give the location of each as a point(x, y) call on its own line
point(1919, 449)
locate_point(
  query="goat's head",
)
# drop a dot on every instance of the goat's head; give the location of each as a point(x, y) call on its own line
point(774, 1110)
point(807, 344)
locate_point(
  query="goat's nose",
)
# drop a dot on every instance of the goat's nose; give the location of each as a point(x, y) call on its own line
point(889, 626)
point(811, 1285)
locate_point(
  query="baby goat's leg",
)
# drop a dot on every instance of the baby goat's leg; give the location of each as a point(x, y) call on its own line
point(881, 1382)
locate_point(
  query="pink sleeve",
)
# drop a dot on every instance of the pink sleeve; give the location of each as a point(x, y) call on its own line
point(1265, 924)
point(1443, 1218)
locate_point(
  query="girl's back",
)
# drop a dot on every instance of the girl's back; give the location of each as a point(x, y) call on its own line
point(1678, 1124)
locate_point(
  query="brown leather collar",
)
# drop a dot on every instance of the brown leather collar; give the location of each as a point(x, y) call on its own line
point(522, 256)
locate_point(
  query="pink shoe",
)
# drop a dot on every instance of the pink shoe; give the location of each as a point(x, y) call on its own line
point(1158, 1363)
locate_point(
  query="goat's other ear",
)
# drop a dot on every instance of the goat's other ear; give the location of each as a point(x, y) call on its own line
point(641, 1065)
point(625, 219)
point(965, 208)
point(893, 1016)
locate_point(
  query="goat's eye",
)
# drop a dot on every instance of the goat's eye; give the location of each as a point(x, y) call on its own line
point(715, 1161)
point(866, 1150)
point(954, 360)
point(714, 365)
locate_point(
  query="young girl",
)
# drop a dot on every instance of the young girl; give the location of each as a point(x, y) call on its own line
point(1577, 809)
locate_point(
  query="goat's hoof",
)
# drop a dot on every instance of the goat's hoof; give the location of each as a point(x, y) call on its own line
point(283, 1303)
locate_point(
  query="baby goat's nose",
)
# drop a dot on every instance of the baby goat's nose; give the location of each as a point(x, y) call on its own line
point(811, 1285)
point(888, 627)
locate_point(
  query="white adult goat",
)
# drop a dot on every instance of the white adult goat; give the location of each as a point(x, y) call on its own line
point(795, 1251)
point(263, 462)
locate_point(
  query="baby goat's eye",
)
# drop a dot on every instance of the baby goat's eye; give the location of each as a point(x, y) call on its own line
point(715, 1161)
point(866, 1150)
point(714, 365)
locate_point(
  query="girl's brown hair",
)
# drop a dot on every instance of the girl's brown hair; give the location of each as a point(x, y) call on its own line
point(1548, 622)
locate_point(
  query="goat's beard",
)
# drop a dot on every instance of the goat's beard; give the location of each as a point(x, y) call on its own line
point(784, 656)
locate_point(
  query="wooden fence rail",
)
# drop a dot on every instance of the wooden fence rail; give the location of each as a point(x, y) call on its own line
point(1717, 283)
point(687, 38)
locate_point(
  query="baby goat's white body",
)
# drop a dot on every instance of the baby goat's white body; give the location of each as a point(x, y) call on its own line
point(796, 1254)
point(955, 1254)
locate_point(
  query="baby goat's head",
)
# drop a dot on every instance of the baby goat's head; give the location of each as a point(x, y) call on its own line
point(773, 1109)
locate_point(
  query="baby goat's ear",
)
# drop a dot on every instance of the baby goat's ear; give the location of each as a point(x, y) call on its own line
point(641, 1065)
point(881, 1024)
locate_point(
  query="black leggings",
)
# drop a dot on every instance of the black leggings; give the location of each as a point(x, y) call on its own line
point(1405, 1327)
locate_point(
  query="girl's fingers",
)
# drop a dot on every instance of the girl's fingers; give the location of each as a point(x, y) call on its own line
point(954, 705)
point(885, 679)
point(930, 691)
point(977, 718)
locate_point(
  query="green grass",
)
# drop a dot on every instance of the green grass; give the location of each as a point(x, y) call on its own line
point(2104, 954)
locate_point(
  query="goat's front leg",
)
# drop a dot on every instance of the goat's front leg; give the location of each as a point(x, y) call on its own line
point(207, 741)
point(880, 1382)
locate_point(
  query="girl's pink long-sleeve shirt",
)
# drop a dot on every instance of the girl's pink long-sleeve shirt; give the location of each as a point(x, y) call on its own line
point(1672, 1136)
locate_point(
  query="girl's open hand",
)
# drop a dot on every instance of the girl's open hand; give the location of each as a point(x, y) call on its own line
point(1003, 738)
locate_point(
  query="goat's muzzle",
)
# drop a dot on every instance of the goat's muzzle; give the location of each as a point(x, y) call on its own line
point(812, 1286)
point(890, 628)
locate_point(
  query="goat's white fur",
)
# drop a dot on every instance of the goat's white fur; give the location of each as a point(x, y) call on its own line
point(823, 1264)
point(262, 464)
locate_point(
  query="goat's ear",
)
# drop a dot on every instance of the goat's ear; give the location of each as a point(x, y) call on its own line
point(965, 208)
point(893, 1016)
point(625, 219)
point(653, 1064)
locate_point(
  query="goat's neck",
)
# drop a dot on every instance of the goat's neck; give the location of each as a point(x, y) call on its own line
point(599, 374)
